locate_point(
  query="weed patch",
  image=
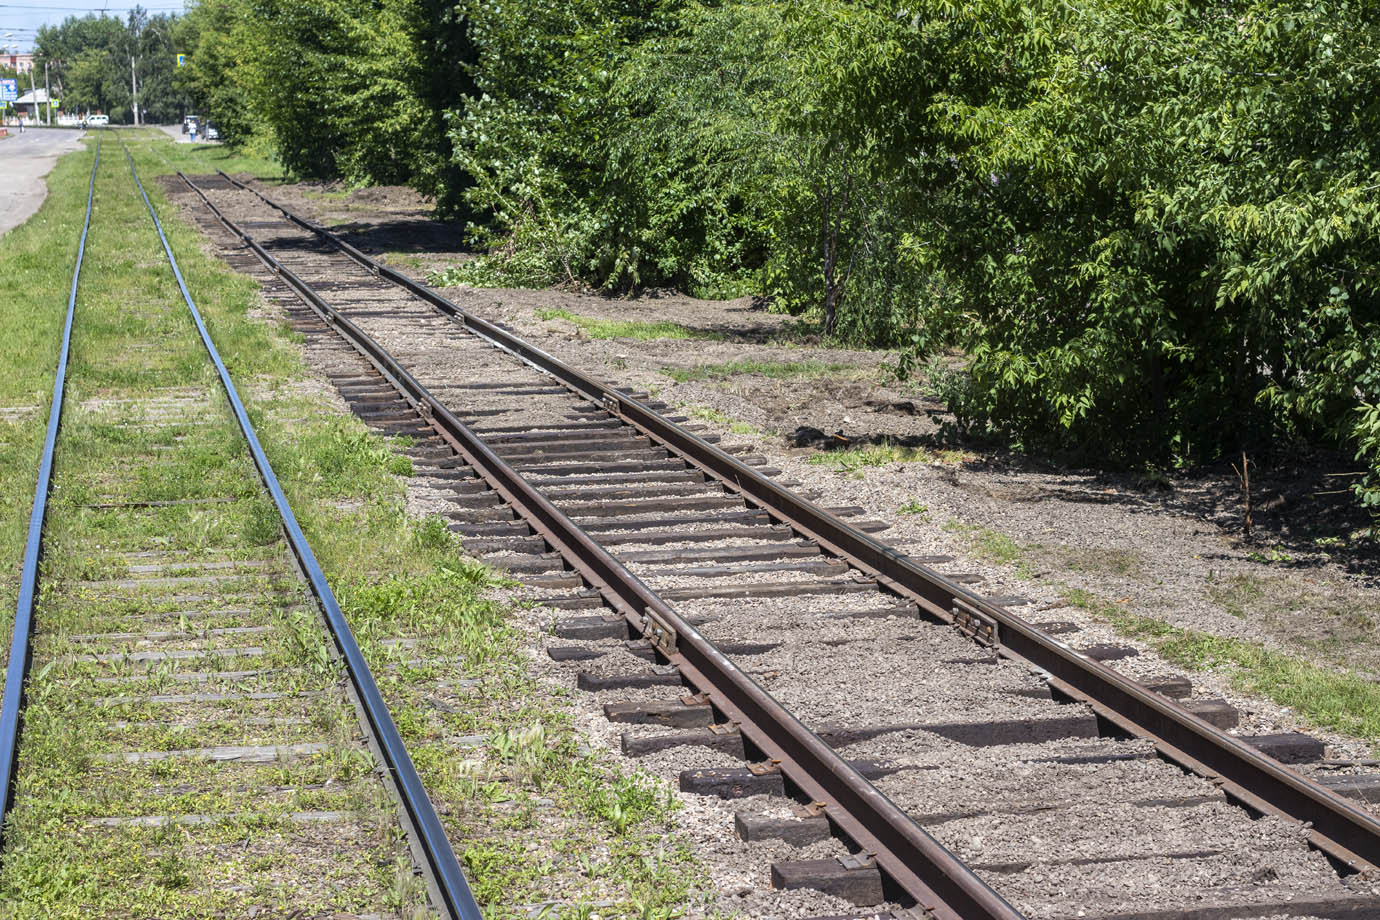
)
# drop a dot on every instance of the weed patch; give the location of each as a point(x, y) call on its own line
point(915, 507)
point(705, 413)
point(990, 546)
point(1343, 702)
point(856, 459)
point(1339, 624)
point(597, 328)
point(780, 370)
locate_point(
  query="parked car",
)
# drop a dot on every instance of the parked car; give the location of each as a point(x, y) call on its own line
point(212, 132)
point(188, 122)
point(97, 121)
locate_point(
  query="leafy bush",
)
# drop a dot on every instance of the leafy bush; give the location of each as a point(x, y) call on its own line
point(1151, 227)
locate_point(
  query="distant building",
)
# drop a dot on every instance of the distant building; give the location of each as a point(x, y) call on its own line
point(24, 63)
point(31, 103)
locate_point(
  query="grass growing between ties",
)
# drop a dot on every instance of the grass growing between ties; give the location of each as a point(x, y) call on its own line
point(533, 814)
point(1341, 701)
point(597, 328)
point(166, 598)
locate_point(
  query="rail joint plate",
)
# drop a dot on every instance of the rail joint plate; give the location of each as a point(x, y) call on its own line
point(658, 632)
point(975, 624)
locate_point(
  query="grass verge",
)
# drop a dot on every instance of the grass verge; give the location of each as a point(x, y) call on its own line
point(1342, 701)
point(35, 272)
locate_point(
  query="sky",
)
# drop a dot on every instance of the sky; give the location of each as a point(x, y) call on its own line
point(20, 21)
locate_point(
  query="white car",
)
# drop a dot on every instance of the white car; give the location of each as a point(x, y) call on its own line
point(97, 121)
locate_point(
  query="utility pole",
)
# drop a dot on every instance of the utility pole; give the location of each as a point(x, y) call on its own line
point(134, 90)
point(33, 91)
point(47, 95)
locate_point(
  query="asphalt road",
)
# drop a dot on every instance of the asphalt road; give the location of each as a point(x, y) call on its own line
point(175, 132)
point(24, 160)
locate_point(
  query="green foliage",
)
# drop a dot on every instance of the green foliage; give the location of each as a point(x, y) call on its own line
point(1155, 218)
point(211, 34)
point(89, 59)
point(1150, 228)
point(344, 88)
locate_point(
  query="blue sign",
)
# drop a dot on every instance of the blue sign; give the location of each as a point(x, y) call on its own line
point(9, 90)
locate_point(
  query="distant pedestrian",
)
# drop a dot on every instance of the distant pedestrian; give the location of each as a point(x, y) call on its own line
point(191, 137)
point(21, 124)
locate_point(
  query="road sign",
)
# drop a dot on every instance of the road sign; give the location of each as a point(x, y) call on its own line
point(9, 90)
point(181, 59)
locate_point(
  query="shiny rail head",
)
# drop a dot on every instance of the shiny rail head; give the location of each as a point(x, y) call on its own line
point(16, 674)
point(446, 878)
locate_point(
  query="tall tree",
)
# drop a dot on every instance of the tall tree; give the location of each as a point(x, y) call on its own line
point(89, 61)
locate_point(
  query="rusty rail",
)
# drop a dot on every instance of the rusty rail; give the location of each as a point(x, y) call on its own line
point(1345, 833)
point(933, 877)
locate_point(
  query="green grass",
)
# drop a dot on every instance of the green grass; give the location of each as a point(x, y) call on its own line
point(165, 156)
point(531, 808)
point(855, 460)
point(780, 370)
point(145, 422)
point(597, 328)
point(35, 271)
point(706, 414)
point(1336, 622)
point(1341, 701)
point(990, 545)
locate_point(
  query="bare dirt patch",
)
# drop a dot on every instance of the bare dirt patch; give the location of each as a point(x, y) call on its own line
point(390, 219)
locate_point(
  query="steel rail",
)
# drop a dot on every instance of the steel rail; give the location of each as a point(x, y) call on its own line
point(1342, 831)
point(12, 713)
point(441, 864)
point(937, 880)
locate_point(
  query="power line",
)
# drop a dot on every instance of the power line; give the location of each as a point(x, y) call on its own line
point(91, 9)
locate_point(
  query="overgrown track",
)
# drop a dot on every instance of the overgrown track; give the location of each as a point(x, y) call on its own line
point(227, 753)
point(1071, 789)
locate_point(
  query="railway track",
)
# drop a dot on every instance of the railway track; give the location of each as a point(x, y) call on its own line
point(716, 614)
point(235, 757)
